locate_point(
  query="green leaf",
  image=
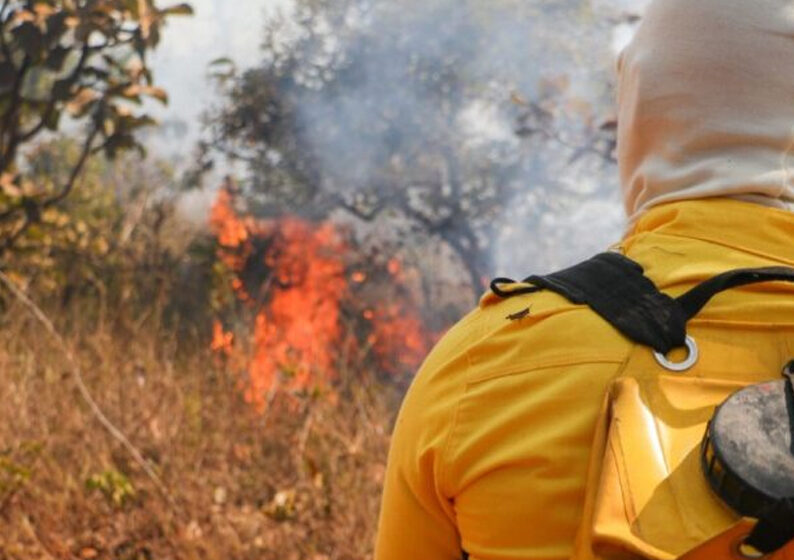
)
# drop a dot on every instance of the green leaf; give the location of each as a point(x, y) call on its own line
point(82, 102)
point(156, 92)
point(142, 121)
point(57, 57)
point(97, 73)
point(178, 10)
point(29, 38)
point(222, 61)
point(118, 142)
point(56, 25)
point(116, 487)
point(7, 74)
point(61, 89)
point(35, 233)
point(130, 93)
point(52, 120)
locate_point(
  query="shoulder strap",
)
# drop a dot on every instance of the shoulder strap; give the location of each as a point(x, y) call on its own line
point(616, 288)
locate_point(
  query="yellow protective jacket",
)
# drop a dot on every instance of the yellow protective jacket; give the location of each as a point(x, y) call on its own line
point(552, 436)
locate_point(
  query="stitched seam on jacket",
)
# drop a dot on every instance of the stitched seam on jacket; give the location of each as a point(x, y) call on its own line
point(444, 485)
point(554, 361)
point(737, 248)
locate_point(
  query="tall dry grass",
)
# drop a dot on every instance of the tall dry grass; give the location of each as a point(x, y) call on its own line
point(301, 481)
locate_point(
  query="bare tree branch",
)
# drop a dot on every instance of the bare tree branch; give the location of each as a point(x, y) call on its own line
point(32, 208)
point(78, 167)
point(3, 45)
point(8, 148)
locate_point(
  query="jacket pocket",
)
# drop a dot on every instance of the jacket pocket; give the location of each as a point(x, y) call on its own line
point(649, 498)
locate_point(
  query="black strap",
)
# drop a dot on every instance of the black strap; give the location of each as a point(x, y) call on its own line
point(615, 287)
point(775, 528)
point(694, 300)
point(788, 375)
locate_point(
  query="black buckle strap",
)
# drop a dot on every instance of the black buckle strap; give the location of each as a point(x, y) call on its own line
point(615, 287)
point(775, 528)
point(694, 300)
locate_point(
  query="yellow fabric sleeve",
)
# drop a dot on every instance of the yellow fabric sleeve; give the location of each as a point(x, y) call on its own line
point(492, 443)
point(417, 518)
point(490, 454)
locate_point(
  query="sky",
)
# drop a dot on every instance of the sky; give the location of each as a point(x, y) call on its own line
point(219, 28)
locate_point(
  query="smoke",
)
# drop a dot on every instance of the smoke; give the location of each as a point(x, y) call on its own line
point(422, 76)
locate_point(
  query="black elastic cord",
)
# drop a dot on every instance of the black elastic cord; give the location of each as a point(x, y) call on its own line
point(497, 282)
point(788, 375)
point(694, 300)
point(775, 528)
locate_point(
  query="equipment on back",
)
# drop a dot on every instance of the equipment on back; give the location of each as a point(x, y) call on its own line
point(748, 458)
point(747, 452)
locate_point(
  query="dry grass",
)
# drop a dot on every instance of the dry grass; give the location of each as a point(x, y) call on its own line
point(301, 481)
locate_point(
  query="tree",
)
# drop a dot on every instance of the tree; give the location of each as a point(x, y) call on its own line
point(86, 59)
point(408, 111)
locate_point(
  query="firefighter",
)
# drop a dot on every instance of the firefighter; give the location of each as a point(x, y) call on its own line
point(536, 429)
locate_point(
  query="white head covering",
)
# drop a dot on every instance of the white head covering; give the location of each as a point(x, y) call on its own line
point(706, 103)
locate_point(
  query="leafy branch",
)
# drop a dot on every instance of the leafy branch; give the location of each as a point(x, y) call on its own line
point(86, 59)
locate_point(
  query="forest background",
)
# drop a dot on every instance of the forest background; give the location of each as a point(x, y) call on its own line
point(230, 232)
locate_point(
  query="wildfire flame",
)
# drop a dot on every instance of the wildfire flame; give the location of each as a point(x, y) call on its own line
point(313, 279)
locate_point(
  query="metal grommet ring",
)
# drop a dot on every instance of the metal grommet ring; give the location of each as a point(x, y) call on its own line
point(690, 360)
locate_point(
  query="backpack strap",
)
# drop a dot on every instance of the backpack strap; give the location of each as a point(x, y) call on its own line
point(616, 288)
point(775, 527)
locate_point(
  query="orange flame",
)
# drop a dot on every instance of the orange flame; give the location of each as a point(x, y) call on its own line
point(297, 334)
point(399, 338)
point(229, 229)
point(222, 341)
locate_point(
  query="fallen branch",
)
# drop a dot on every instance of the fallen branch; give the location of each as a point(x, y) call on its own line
point(77, 375)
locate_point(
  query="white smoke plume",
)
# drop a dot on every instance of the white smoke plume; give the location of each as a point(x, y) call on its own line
point(504, 54)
